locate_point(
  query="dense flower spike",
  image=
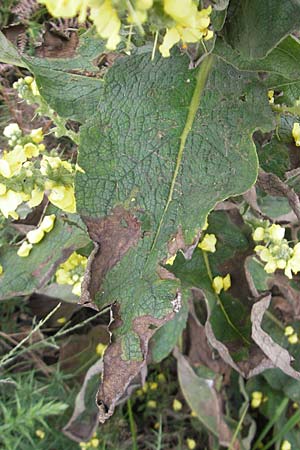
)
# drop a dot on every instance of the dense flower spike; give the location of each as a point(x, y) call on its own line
point(71, 272)
point(188, 24)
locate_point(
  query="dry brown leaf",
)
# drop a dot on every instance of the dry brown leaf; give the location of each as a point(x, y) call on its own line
point(80, 428)
point(204, 400)
point(277, 354)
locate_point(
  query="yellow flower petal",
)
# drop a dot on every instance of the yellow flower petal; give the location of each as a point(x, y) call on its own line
point(217, 284)
point(226, 282)
point(170, 39)
point(35, 236)
point(208, 243)
point(177, 405)
point(24, 250)
point(48, 223)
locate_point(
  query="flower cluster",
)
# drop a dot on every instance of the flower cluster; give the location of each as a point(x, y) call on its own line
point(182, 19)
point(71, 272)
point(25, 176)
point(92, 443)
point(291, 335)
point(35, 236)
point(276, 252)
point(190, 25)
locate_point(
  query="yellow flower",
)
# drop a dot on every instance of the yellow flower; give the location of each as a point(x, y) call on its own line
point(66, 8)
point(161, 378)
point(288, 331)
point(61, 320)
point(257, 398)
point(293, 339)
point(63, 197)
point(271, 96)
point(152, 404)
point(171, 260)
point(208, 243)
point(286, 445)
point(94, 442)
point(276, 232)
point(191, 25)
point(100, 349)
point(76, 290)
point(24, 250)
point(37, 135)
point(153, 385)
point(5, 169)
point(48, 223)
point(217, 284)
point(194, 414)
point(34, 88)
point(191, 444)
point(296, 133)
point(31, 150)
point(1, 269)
point(36, 197)
point(258, 234)
point(35, 236)
point(14, 159)
point(107, 23)
point(9, 203)
point(12, 130)
point(177, 405)
point(220, 283)
point(28, 80)
point(63, 277)
point(40, 434)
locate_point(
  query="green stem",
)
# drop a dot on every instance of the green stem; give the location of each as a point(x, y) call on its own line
point(209, 272)
point(288, 426)
point(201, 79)
point(239, 425)
point(269, 425)
point(132, 425)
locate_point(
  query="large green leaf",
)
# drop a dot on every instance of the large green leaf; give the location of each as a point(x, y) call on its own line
point(22, 276)
point(167, 144)
point(254, 27)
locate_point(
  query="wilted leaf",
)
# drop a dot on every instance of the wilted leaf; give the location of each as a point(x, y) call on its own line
point(84, 420)
point(277, 354)
point(204, 400)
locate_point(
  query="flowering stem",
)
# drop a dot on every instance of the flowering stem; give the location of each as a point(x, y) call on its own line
point(209, 272)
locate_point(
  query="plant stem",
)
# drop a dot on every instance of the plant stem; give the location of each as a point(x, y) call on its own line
point(132, 425)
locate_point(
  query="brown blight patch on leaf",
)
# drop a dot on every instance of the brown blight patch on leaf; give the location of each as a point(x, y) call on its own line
point(118, 373)
point(204, 400)
point(113, 236)
point(277, 354)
